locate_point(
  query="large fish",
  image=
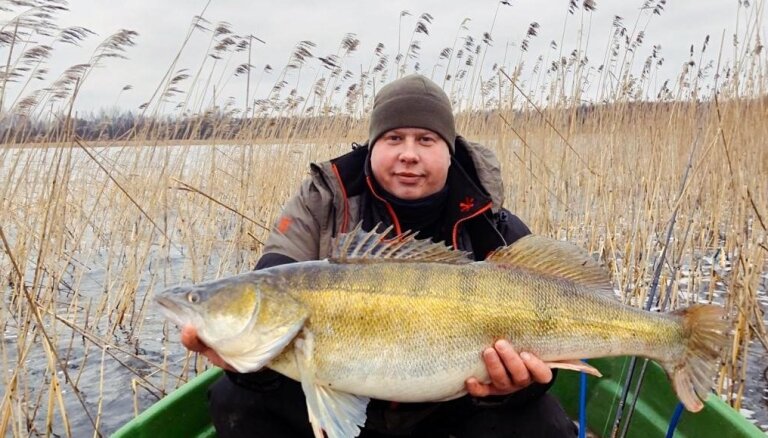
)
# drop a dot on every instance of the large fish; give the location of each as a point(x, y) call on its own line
point(407, 320)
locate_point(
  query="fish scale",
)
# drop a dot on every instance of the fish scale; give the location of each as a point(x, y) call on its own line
point(407, 320)
point(465, 312)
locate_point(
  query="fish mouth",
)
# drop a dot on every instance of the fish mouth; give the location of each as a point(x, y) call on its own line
point(172, 310)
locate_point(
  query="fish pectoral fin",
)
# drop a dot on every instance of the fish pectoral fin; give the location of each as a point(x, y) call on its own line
point(575, 365)
point(339, 414)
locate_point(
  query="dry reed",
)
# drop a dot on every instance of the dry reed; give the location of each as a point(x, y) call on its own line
point(91, 229)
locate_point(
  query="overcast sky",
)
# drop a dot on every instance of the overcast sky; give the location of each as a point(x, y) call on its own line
point(163, 24)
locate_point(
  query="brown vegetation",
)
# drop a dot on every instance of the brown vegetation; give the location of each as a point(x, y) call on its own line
point(89, 233)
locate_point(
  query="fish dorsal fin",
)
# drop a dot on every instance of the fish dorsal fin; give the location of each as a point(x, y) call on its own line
point(557, 259)
point(359, 246)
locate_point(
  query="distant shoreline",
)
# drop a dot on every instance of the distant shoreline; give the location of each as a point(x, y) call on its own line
point(160, 143)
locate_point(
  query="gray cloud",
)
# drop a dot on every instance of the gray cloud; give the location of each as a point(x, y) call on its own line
point(162, 26)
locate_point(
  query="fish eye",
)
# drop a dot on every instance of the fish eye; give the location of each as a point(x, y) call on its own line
point(193, 297)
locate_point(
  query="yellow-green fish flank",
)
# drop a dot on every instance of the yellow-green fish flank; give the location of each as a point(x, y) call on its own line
point(407, 320)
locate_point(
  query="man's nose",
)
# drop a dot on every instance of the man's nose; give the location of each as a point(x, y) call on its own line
point(409, 152)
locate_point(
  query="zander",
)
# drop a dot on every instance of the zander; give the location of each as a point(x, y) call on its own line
point(407, 320)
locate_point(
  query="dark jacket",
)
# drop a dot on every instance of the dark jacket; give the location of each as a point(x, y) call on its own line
point(339, 193)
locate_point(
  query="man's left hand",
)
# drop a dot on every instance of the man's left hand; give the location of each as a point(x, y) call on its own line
point(509, 371)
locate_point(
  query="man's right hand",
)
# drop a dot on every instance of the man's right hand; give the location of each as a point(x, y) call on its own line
point(190, 340)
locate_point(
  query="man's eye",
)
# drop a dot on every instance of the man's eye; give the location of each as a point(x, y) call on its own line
point(427, 139)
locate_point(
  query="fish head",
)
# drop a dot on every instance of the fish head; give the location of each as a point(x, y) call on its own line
point(247, 319)
point(219, 309)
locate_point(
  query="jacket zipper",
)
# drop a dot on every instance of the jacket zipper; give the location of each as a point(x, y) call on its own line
point(390, 210)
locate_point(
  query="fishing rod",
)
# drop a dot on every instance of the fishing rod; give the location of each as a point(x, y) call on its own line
point(649, 304)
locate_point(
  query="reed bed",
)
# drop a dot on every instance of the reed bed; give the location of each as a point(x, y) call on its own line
point(93, 223)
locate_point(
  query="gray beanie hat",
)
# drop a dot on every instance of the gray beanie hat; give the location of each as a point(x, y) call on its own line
point(412, 102)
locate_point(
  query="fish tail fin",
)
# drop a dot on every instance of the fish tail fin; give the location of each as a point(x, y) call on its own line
point(705, 333)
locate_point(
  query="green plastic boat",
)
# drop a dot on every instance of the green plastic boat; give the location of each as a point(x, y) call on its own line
point(184, 412)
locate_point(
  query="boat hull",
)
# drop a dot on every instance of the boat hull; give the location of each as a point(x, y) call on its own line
point(184, 412)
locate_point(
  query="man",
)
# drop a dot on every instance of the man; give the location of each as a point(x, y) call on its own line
point(414, 174)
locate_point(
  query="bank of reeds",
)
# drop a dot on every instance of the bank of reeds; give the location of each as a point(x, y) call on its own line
point(90, 232)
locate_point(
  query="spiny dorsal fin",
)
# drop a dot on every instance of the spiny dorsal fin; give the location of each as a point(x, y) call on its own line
point(555, 258)
point(359, 246)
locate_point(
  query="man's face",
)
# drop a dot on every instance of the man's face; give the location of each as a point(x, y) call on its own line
point(410, 163)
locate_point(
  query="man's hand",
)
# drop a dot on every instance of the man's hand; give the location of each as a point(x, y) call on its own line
point(190, 340)
point(509, 371)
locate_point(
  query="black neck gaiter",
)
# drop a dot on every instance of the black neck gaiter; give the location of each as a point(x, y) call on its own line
point(423, 215)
